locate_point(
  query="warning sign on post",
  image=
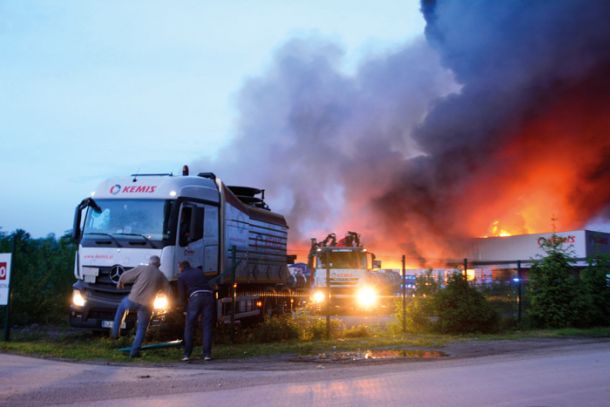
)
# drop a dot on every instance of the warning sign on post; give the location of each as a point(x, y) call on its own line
point(5, 277)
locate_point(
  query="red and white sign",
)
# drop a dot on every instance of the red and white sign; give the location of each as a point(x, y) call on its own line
point(132, 189)
point(5, 277)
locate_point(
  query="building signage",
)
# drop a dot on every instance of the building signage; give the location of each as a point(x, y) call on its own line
point(556, 240)
point(5, 277)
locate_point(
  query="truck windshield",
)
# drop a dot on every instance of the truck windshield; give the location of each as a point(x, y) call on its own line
point(131, 219)
point(346, 260)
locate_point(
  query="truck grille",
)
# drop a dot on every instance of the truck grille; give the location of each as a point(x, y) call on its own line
point(347, 282)
point(104, 276)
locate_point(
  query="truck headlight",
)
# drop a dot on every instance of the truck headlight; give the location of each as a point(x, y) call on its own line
point(318, 297)
point(161, 303)
point(78, 299)
point(366, 296)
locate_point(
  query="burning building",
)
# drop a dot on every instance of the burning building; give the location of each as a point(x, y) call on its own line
point(496, 121)
point(580, 244)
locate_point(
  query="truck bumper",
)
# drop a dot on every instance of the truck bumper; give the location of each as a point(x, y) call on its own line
point(98, 311)
point(97, 318)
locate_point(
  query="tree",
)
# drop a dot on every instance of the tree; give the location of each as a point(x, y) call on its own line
point(42, 277)
point(555, 298)
point(594, 284)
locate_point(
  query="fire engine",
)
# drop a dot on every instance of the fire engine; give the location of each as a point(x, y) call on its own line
point(345, 274)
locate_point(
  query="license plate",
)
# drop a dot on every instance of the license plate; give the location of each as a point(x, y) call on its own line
point(108, 324)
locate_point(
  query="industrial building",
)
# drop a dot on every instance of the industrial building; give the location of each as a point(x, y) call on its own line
point(510, 257)
point(499, 258)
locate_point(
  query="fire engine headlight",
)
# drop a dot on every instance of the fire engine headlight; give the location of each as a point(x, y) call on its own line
point(78, 299)
point(366, 296)
point(161, 303)
point(318, 297)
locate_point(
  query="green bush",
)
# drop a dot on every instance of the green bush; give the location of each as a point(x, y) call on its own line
point(274, 329)
point(357, 331)
point(419, 306)
point(457, 308)
point(302, 326)
point(420, 314)
point(312, 327)
point(556, 300)
point(462, 309)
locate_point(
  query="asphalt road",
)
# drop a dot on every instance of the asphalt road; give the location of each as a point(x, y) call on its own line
point(572, 375)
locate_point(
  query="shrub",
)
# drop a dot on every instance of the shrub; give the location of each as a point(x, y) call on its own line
point(420, 314)
point(274, 329)
point(419, 306)
point(462, 309)
point(457, 308)
point(358, 331)
point(555, 298)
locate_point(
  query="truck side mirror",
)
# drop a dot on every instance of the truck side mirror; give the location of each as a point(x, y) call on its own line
point(376, 264)
point(78, 213)
point(76, 225)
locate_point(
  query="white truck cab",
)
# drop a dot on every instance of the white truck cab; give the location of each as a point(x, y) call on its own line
point(350, 269)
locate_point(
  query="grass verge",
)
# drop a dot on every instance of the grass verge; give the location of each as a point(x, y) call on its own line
point(69, 345)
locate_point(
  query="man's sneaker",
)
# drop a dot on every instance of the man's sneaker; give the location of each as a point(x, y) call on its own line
point(207, 358)
point(186, 359)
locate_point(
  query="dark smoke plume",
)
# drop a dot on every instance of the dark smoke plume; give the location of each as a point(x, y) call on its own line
point(497, 123)
point(527, 136)
point(325, 143)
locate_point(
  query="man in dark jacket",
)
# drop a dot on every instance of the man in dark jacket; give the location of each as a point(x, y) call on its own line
point(197, 295)
point(147, 281)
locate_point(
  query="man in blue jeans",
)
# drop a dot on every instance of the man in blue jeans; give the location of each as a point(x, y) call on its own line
point(147, 281)
point(197, 295)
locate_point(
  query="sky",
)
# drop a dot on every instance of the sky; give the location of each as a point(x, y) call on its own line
point(96, 89)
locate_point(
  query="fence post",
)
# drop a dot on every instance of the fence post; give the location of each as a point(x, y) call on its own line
point(404, 295)
point(327, 297)
point(233, 290)
point(519, 292)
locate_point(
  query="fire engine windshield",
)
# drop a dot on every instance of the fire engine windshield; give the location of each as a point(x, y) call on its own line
point(345, 260)
point(130, 219)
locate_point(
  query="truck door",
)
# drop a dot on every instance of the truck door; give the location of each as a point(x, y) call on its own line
point(189, 245)
point(198, 236)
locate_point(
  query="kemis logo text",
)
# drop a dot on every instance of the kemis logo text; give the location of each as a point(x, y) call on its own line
point(115, 189)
